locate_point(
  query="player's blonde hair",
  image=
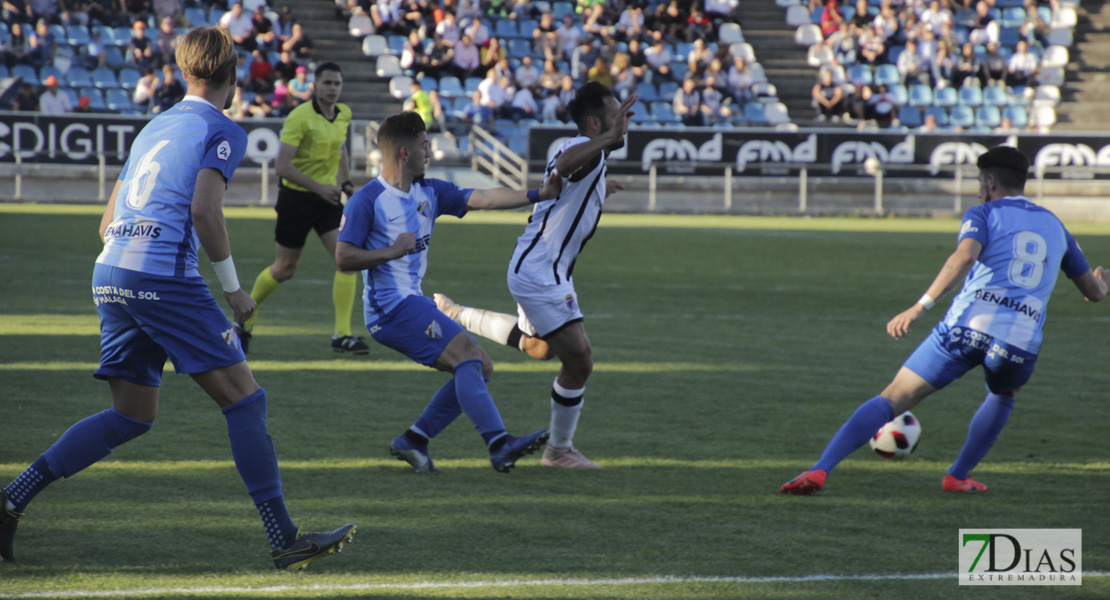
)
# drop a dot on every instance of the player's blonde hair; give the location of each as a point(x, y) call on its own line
point(207, 55)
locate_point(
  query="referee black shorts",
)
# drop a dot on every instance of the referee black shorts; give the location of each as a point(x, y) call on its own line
point(300, 212)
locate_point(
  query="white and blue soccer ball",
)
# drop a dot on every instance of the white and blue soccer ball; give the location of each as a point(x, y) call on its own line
point(899, 438)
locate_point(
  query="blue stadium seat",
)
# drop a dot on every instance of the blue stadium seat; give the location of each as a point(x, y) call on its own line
point(921, 95)
point(450, 87)
point(640, 112)
point(682, 50)
point(113, 57)
point(995, 96)
point(71, 94)
point(429, 83)
point(939, 113)
point(107, 34)
point(77, 35)
point(471, 85)
point(52, 71)
point(122, 36)
point(859, 74)
point(887, 74)
point(396, 44)
point(755, 113)
point(196, 16)
point(129, 78)
point(910, 116)
point(946, 97)
point(961, 116)
point(96, 98)
point(1018, 116)
point(667, 90)
point(971, 95)
point(4, 74)
point(527, 26)
point(1013, 17)
point(506, 29)
point(988, 116)
point(648, 92)
point(519, 48)
point(104, 78)
point(662, 112)
point(118, 100)
point(58, 31)
point(78, 77)
point(679, 70)
point(562, 9)
point(27, 72)
point(900, 93)
point(1008, 37)
point(893, 52)
point(519, 145)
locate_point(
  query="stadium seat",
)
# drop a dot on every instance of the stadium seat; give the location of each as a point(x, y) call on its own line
point(893, 52)
point(648, 92)
point(375, 45)
point(117, 100)
point(1060, 36)
point(939, 114)
point(663, 113)
point(396, 44)
point(96, 98)
point(71, 94)
point(756, 71)
point(1055, 56)
point(1046, 95)
point(995, 96)
point(859, 75)
point(887, 74)
point(104, 78)
point(900, 93)
point(971, 95)
point(400, 87)
point(388, 66)
point(78, 77)
point(946, 97)
point(1065, 17)
point(4, 73)
point(910, 116)
point(450, 87)
point(527, 26)
point(667, 90)
point(471, 85)
point(1043, 116)
point(798, 15)
point(743, 49)
point(1018, 116)
point(730, 33)
point(27, 72)
point(775, 112)
point(429, 84)
point(765, 92)
point(640, 112)
point(1012, 17)
point(196, 17)
point(819, 55)
point(122, 36)
point(562, 9)
point(961, 116)
point(505, 29)
point(49, 71)
point(679, 70)
point(113, 57)
point(360, 25)
point(808, 34)
point(1008, 37)
point(129, 78)
point(921, 95)
point(519, 48)
point(77, 35)
point(1052, 76)
point(755, 113)
point(988, 116)
point(786, 3)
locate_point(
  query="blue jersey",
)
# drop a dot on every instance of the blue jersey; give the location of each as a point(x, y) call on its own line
point(373, 219)
point(152, 226)
point(1024, 249)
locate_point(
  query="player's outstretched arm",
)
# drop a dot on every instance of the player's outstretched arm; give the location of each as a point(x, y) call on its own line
point(579, 155)
point(957, 266)
point(349, 257)
point(1093, 284)
point(503, 198)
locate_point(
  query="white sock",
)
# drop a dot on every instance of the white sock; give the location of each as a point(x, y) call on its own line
point(564, 419)
point(488, 324)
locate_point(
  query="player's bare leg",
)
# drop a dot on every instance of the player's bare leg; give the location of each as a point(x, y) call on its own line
point(499, 327)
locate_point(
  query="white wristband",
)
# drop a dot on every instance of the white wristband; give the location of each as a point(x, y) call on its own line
point(225, 272)
point(926, 301)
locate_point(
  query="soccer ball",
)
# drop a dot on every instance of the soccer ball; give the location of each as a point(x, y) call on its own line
point(898, 438)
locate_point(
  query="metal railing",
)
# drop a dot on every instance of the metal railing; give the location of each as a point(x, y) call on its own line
point(488, 155)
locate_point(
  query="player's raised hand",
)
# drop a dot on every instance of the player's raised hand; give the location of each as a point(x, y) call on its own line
point(612, 186)
point(624, 113)
point(900, 325)
point(241, 303)
point(552, 185)
point(404, 243)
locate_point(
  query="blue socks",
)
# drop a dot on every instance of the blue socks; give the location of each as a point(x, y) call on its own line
point(256, 460)
point(982, 433)
point(84, 443)
point(475, 401)
point(855, 432)
point(440, 412)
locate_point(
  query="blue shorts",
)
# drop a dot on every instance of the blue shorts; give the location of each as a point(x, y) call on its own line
point(950, 352)
point(146, 318)
point(417, 329)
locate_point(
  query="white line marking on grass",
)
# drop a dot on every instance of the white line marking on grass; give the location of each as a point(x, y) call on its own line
point(283, 589)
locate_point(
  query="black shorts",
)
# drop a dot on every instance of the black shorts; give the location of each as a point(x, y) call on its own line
point(300, 212)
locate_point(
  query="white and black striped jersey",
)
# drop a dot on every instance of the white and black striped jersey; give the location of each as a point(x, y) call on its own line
point(559, 228)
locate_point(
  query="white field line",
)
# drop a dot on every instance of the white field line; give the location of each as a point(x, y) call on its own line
point(662, 579)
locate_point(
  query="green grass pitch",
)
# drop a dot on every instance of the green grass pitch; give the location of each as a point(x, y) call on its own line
point(728, 351)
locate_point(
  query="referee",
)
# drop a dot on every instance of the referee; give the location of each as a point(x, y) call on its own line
point(311, 162)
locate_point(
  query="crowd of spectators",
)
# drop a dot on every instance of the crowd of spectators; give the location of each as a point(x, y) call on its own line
point(118, 55)
point(878, 57)
point(530, 56)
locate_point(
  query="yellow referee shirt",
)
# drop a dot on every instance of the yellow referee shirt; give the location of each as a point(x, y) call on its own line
point(318, 141)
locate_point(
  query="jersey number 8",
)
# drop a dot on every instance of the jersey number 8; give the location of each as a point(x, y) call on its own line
point(1027, 266)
